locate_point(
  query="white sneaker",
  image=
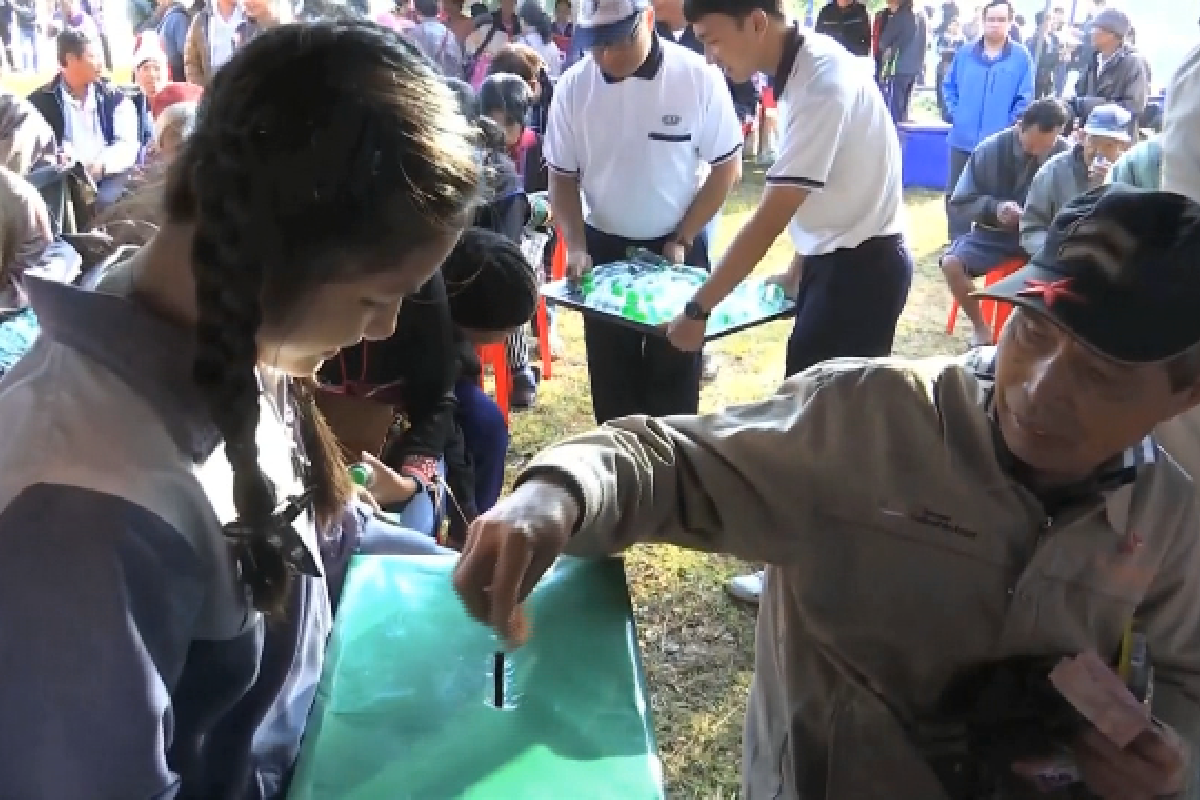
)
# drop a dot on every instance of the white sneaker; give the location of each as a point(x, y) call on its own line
point(747, 588)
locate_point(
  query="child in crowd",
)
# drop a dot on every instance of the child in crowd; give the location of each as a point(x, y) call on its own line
point(168, 485)
point(507, 210)
point(493, 292)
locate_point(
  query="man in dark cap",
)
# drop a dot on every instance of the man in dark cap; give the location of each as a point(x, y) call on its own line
point(1113, 73)
point(926, 519)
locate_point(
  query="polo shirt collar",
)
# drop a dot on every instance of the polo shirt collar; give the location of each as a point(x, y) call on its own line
point(650, 67)
point(792, 42)
point(152, 356)
point(1117, 472)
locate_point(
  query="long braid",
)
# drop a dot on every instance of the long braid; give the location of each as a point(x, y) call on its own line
point(229, 277)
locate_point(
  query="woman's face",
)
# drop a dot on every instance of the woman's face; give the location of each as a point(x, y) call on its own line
point(149, 77)
point(341, 314)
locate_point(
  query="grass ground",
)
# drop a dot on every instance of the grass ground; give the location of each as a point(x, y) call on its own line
point(696, 643)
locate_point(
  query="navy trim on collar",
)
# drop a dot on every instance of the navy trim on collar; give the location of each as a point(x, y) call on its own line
point(152, 356)
point(649, 68)
point(1118, 472)
point(793, 41)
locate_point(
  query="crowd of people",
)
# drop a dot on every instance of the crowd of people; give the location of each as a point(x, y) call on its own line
point(208, 307)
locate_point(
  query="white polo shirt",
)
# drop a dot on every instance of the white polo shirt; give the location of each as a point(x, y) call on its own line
point(638, 144)
point(837, 141)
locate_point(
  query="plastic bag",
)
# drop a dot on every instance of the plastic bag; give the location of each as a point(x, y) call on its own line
point(406, 706)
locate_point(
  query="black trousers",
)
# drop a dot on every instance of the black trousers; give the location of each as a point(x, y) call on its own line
point(849, 302)
point(633, 372)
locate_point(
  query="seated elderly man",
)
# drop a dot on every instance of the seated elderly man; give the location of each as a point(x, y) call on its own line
point(1068, 175)
point(27, 247)
point(939, 532)
point(93, 121)
point(991, 193)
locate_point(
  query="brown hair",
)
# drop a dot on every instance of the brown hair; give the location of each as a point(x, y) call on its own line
point(321, 152)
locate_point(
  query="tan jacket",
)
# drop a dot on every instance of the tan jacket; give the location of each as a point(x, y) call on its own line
point(197, 58)
point(900, 552)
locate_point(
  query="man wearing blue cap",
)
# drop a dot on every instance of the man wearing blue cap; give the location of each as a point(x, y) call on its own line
point(941, 533)
point(1068, 175)
point(632, 127)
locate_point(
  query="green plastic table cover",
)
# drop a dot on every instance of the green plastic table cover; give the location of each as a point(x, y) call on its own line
point(406, 707)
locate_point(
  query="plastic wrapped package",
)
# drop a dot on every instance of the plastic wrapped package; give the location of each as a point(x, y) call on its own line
point(407, 706)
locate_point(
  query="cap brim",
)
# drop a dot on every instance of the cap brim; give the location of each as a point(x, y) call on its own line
point(1120, 136)
point(1106, 325)
point(607, 35)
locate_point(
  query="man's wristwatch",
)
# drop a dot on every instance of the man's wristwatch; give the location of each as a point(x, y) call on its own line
point(694, 311)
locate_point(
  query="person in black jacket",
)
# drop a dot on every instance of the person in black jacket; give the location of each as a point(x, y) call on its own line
point(447, 429)
point(848, 22)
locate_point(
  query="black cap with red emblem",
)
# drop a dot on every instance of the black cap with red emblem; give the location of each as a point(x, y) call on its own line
point(1120, 270)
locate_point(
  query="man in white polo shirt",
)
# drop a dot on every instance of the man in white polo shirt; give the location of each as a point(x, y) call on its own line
point(835, 186)
point(632, 128)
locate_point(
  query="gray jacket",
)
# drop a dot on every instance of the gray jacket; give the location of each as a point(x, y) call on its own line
point(904, 36)
point(998, 171)
point(1063, 178)
point(1122, 80)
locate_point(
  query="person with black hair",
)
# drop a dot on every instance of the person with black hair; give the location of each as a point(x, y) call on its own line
point(493, 293)
point(503, 102)
point(90, 117)
point(169, 486)
point(435, 39)
point(539, 35)
point(991, 193)
point(641, 179)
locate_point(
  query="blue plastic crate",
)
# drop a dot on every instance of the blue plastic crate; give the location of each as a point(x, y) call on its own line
point(925, 155)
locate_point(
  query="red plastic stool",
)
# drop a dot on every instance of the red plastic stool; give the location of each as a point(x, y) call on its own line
point(494, 356)
point(995, 313)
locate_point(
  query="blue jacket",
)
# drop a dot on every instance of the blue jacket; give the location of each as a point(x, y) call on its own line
point(984, 97)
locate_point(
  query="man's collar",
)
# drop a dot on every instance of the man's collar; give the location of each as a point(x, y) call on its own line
point(1117, 472)
point(793, 40)
point(650, 67)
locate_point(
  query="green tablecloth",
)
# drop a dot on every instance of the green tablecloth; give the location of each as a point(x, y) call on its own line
point(406, 708)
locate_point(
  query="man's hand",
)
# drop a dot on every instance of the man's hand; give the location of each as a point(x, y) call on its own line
point(1098, 171)
point(1009, 214)
point(508, 550)
point(96, 170)
point(674, 252)
point(686, 334)
point(1153, 765)
point(579, 263)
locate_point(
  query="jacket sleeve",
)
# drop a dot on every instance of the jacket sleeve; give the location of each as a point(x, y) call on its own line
point(193, 52)
point(1039, 210)
point(823, 25)
point(1133, 89)
point(1171, 619)
point(899, 29)
point(1181, 120)
point(860, 34)
point(972, 197)
point(1024, 95)
point(98, 598)
point(950, 86)
point(711, 483)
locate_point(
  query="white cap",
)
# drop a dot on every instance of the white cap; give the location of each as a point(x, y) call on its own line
point(606, 22)
point(147, 47)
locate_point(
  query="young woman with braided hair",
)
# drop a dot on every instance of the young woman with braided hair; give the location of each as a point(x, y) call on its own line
point(165, 482)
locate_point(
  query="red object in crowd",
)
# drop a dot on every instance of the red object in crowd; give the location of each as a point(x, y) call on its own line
point(876, 32)
point(173, 93)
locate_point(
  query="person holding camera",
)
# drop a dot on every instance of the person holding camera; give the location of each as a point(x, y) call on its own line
point(924, 518)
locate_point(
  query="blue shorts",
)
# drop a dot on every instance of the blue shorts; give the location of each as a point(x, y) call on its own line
point(983, 249)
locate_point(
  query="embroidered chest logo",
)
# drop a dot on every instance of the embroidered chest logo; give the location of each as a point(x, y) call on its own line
point(933, 519)
point(671, 120)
